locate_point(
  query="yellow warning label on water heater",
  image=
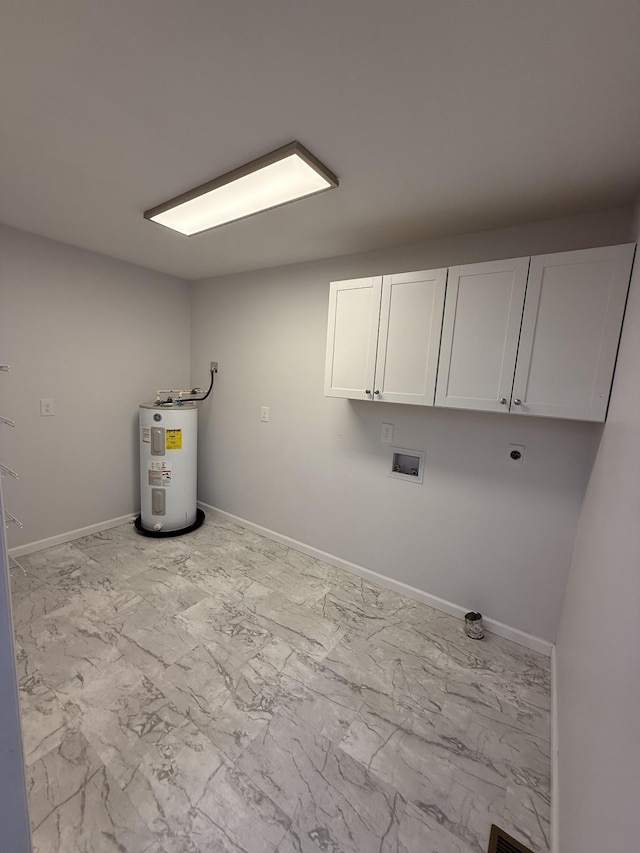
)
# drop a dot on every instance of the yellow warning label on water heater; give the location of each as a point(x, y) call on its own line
point(174, 439)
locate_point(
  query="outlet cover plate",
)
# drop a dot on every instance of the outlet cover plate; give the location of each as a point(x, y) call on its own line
point(47, 407)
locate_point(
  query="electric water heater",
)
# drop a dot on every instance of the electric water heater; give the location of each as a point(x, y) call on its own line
point(169, 463)
point(168, 466)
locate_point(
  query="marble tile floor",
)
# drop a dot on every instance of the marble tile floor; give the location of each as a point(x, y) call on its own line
point(223, 692)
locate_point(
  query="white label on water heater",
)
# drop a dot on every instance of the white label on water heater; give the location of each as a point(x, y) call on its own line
point(159, 473)
point(146, 435)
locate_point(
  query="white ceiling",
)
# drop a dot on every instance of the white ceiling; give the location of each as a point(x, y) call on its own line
point(438, 116)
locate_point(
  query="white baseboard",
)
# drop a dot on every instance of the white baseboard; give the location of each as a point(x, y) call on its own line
point(41, 544)
point(555, 794)
point(536, 644)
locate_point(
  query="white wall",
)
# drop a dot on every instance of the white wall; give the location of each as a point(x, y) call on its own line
point(14, 816)
point(478, 532)
point(99, 336)
point(598, 651)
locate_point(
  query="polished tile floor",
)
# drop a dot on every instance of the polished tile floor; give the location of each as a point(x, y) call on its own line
point(222, 692)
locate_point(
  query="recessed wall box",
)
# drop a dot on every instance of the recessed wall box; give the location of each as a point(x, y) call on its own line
point(407, 465)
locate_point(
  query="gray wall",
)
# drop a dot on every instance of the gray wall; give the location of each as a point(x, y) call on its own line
point(598, 651)
point(99, 336)
point(14, 815)
point(478, 532)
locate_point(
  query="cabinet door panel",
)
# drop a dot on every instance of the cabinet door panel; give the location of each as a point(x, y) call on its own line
point(409, 336)
point(483, 311)
point(354, 310)
point(570, 331)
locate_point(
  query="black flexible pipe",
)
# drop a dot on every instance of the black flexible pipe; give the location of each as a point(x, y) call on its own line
point(193, 399)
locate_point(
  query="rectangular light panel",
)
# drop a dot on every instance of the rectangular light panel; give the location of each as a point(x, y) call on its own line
point(284, 175)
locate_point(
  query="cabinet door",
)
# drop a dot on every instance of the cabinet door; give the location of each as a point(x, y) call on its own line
point(352, 336)
point(409, 337)
point(570, 332)
point(483, 312)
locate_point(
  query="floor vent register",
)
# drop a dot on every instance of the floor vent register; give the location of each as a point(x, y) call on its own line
point(500, 842)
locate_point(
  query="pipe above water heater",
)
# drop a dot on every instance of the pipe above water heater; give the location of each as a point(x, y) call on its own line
point(172, 392)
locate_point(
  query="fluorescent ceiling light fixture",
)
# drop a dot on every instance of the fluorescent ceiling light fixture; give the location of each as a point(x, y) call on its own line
point(282, 176)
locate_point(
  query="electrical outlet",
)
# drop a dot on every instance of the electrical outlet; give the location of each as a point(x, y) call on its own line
point(214, 366)
point(264, 414)
point(386, 433)
point(516, 455)
point(47, 407)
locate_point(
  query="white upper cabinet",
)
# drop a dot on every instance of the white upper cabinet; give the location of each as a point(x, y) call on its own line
point(570, 332)
point(528, 336)
point(384, 337)
point(352, 338)
point(480, 334)
point(409, 337)
point(551, 352)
